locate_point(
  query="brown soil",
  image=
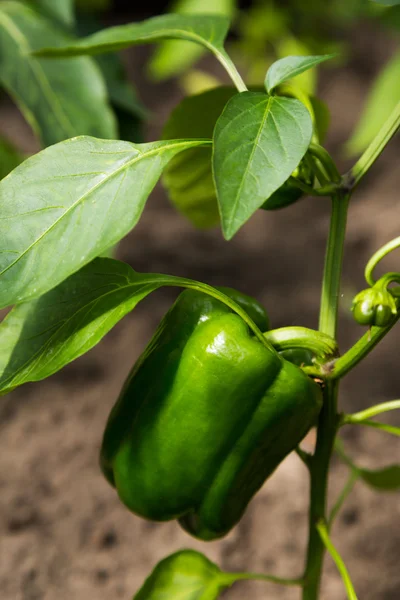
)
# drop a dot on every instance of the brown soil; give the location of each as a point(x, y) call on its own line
point(64, 534)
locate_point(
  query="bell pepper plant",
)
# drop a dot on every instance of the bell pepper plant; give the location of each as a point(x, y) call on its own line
point(218, 398)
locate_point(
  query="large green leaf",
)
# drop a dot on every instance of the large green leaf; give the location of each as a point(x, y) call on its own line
point(207, 30)
point(382, 100)
point(291, 66)
point(60, 10)
point(9, 158)
point(59, 99)
point(69, 203)
point(173, 57)
point(40, 337)
point(258, 142)
point(185, 575)
point(387, 479)
point(188, 176)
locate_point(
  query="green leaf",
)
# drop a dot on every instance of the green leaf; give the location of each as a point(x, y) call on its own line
point(381, 101)
point(209, 31)
point(59, 99)
point(174, 57)
point(85, 194)
point(291, 66)
point(383, 479)
point(42, 336)
point(9, 158)
point(258, 142)
point(61, 11)
point(188, 176)
point(185, 575)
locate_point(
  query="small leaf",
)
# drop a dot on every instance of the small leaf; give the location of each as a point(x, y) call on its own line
point(67, 204)
point(9, 158)
point(59, 99)
point(258, 142)
point(174, 57)
point(381, 101)
point(209, 31)
point(290, 66)
point(383, 479)
point(185, 575)
point(188, 177)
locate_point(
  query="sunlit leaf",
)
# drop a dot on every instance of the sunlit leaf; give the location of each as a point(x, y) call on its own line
point(207, 30)
point(88, 193)
point(258, 142)
point(286, 68)
point(42, 336)
point(185, 575)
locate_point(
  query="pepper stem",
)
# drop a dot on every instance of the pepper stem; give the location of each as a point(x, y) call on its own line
point(287, 338)
point(328, 419)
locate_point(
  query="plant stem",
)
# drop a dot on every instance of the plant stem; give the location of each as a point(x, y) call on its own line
point(319, 471)
point(325, 158)
point(377, 257)
point(376, 425)
point(230, 68)
point(323, 532)
point(374, 150)
point(328, 419)
point(372, 411)
point(333, 266)
point(233, 577)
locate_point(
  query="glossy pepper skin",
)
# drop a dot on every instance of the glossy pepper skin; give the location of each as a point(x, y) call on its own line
point(206, 415)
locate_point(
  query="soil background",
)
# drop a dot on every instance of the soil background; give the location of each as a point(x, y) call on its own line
point(64, 534)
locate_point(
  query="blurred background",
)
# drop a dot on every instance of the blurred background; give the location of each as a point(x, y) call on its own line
point(64, 534)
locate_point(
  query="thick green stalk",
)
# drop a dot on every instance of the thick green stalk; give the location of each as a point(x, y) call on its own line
point(333, 266)
point(319, 472)
point(328, 419)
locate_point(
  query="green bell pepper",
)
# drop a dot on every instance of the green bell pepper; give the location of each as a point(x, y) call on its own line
point(206, 415)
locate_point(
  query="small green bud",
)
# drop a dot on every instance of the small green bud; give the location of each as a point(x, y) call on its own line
point(374, 306)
